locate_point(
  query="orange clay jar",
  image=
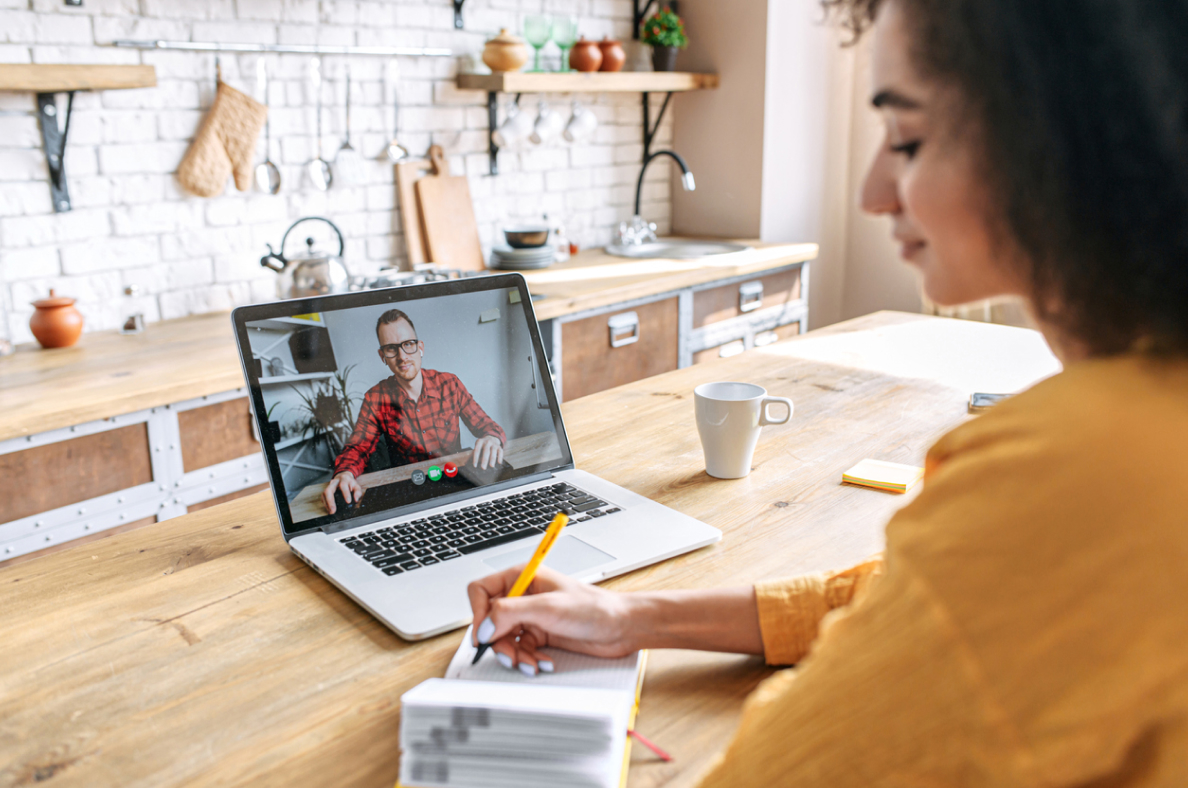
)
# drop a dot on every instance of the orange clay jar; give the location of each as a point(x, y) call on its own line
point(56, 323)
point(585, 55)
point(613, 56)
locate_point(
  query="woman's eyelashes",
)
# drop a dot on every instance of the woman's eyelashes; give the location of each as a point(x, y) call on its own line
point(907, 149)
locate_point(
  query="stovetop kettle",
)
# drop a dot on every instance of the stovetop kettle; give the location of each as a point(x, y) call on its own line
point(309, 273)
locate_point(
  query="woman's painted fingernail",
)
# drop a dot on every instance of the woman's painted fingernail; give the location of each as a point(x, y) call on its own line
point(504, 660)
point(545, 665)
point(527, 669)
point(486, 630)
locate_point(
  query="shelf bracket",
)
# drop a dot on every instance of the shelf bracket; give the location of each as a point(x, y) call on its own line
point(649, 130)
point(492, 124)
point(458, 13)
point(54, 141)
point(639, 14)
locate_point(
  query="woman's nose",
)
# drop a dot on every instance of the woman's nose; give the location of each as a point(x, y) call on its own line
point(880, 188)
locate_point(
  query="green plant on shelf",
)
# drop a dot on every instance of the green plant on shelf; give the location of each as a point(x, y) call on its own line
point(664, 29)
point(328, 411)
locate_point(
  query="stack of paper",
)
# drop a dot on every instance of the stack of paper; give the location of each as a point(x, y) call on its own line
point(484, 725)
point(888, 476)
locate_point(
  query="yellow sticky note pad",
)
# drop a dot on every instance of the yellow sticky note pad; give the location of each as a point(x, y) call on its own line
point(889, 476)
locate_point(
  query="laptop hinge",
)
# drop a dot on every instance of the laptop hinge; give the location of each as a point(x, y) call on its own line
point(445, 500)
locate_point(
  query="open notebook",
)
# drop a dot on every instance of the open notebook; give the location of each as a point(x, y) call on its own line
point(484, 725)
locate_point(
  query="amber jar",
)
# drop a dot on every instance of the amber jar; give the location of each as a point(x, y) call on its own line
point(613, 56)
point(56, 323)
point(505, 52)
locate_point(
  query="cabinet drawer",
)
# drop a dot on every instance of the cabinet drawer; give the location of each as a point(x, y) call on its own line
point(729, 301)
point(737, 346)
point(67, 472)
point(216, 433)
point(609, 350)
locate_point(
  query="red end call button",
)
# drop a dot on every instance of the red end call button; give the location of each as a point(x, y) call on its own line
point(451, 470)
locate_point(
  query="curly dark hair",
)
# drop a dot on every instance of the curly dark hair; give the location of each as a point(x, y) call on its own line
point(1081, 109)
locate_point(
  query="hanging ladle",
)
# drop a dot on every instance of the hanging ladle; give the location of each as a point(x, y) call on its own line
point(395, 151)
point(268, 177)
point(319, 170)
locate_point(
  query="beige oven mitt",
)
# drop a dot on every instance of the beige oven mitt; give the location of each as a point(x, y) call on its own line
point(224, 144)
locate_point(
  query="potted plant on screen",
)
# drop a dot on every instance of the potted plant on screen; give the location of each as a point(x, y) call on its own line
point(664, 32)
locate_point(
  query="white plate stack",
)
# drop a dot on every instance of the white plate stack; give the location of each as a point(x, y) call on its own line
point(507, 258)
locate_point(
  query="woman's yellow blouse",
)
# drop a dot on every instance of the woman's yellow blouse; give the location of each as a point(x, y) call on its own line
point(1029, 624)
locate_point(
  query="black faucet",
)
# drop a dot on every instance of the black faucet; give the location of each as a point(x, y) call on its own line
point(686, 176)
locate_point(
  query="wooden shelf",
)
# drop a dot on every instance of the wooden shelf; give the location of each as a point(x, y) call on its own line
point(54, 78)
point(595, 82)
point(642, 82)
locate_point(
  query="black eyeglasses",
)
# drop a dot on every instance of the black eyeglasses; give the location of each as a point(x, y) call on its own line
point(409, 347)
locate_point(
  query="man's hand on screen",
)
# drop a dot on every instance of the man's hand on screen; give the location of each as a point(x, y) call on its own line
point(488, 452)
point(351, 490)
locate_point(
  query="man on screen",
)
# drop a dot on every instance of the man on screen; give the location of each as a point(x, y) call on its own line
point(417, 410)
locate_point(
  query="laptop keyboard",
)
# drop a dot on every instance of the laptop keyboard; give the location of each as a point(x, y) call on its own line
point(449, 535)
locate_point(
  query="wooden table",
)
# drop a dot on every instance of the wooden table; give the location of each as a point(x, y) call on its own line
point(202, 652)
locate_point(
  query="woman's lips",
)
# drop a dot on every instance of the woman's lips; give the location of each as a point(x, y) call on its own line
point(909, 249)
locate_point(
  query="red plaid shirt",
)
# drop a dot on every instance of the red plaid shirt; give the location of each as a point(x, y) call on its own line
point(418, 430)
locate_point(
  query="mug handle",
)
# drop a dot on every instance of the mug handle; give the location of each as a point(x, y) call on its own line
point(765, 419)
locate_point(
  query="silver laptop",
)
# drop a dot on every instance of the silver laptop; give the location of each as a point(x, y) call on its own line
point(414, 443)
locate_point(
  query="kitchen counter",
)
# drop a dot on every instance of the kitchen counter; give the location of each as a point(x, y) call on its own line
point(109, 374)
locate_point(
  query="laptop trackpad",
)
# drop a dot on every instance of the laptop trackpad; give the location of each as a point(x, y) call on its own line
point(569, 556)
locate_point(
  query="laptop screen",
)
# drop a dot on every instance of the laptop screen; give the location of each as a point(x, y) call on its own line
point(376, 401)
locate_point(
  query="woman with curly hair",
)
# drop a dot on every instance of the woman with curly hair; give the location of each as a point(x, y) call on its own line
point(1028, 625)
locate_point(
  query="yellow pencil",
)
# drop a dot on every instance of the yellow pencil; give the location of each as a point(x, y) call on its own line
point(529, 574)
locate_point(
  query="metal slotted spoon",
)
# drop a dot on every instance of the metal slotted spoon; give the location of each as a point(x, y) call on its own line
point(268, 178)
point(318, 169)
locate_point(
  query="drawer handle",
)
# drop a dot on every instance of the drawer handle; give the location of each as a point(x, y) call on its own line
point(624, 329)
point(750, 296)
point(765, 338)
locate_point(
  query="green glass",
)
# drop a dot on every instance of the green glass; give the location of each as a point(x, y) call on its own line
point(565, 32)
point(537, 32)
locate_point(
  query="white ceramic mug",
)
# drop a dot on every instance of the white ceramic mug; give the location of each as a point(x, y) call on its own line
point(581, 125)
point(729, 418)
point(516, 128)
point(548, 125)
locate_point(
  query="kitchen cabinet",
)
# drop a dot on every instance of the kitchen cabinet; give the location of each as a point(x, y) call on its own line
point(120, 429)
point(673, 330)
point(620, 346)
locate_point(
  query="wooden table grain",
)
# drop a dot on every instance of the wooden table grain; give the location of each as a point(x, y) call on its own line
point(200, 651)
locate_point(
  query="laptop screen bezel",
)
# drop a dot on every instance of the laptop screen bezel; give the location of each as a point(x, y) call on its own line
point(244, 315)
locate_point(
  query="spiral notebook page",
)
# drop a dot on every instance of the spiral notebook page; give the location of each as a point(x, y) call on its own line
point(571, 670)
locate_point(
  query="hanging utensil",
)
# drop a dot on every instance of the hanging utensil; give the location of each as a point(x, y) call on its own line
point(347, 163)
point(268, 177)
point(395, 152)
point(318, 169)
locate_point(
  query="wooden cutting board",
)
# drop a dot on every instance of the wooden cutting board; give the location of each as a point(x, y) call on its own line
point(447, 217)
point(407, 174)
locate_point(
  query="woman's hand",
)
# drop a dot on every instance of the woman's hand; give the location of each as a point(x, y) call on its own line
point(555, 611)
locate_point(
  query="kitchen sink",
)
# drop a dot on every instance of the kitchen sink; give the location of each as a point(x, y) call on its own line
point(675, 249)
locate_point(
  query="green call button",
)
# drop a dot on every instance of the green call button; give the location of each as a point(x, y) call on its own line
point(434, 473)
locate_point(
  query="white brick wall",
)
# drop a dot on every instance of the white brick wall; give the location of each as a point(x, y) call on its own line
point(133, 225)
